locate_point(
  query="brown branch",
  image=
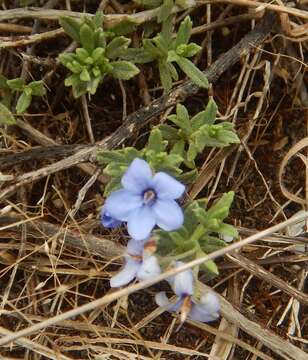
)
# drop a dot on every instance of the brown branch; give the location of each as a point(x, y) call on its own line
point(93, 244)
point(110, 20)
point(263, 274)
point(39, 153)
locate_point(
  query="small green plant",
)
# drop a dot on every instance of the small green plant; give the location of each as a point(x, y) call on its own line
point(191, 136)
point(34, 88)
point(200, 234)
point(99, 55)
point(155, 153)
point(169, 147)
point(167, 50)
point(8, 88)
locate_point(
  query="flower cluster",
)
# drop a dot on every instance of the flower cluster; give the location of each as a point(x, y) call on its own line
point(147, 200)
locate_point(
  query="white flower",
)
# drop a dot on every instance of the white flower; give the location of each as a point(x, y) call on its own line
point(205, 310)
point(138, 265)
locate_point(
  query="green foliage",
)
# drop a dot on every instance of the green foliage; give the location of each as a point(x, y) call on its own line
point(8, 87)
point(116, 162)
point(200, 234)
point(34, 88)
point(155, 153)
point(191, 136)
point(167, 50)
point(5, 92)
point(101, 53)
point(6, 117)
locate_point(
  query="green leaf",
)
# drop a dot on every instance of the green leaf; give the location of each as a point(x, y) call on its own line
point(172, 56)
point(74, 66)
point(169, 133)
point(188, 177)
point(138, 56)
point(219, 135)
point(82, 54)
point(192, 152)
point(165, 76)
point(166, 31)
point(211, 243)
point(184, 31)
point(92, 85)
point(97, 19)
point(71, 27)
point(6, 117)
point(124, 70)
point(156, 142)
point(124, 27)
point(188, 50)
point(113, 185)
point(178, 148)
point(23, 103)
point(206, 117)
point(37, 88)
point(84, 75)
point(117, 47)
point(16, 84)
point(173, 72)
point(79, 88)
point(154, 51)
point(182, 118)
point(228, 230)
point(207, 265)
point(124, 156)
point(3, 82)
point(192, 72)
point(87, 38)
point(97, 54)
point(165, 10)
point(210, 266)
point(99, 38)
point(66, 58)
point(220, 209)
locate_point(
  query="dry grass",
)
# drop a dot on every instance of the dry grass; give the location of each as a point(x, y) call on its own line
point(55, 258)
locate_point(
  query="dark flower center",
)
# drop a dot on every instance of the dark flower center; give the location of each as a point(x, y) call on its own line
point(149, 197)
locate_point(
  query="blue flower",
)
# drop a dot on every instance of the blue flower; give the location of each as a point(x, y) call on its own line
point(138, 264)
point(205, 310)
point(107, 220)
point(146, 200)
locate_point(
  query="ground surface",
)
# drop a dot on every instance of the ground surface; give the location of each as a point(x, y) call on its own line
point(264, 93)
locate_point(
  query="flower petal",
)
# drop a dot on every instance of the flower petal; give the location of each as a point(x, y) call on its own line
point(137, 177)
point(134, 247)
point(198, 313)
point(149, 268)
point(127, 274)
point(182, 283)
point(140, 223)
point(207, 310)
point(210, 302)
point(107, 220)
point(121, 203)
point(162, 300)
point(169, 215)
point(167, 187)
